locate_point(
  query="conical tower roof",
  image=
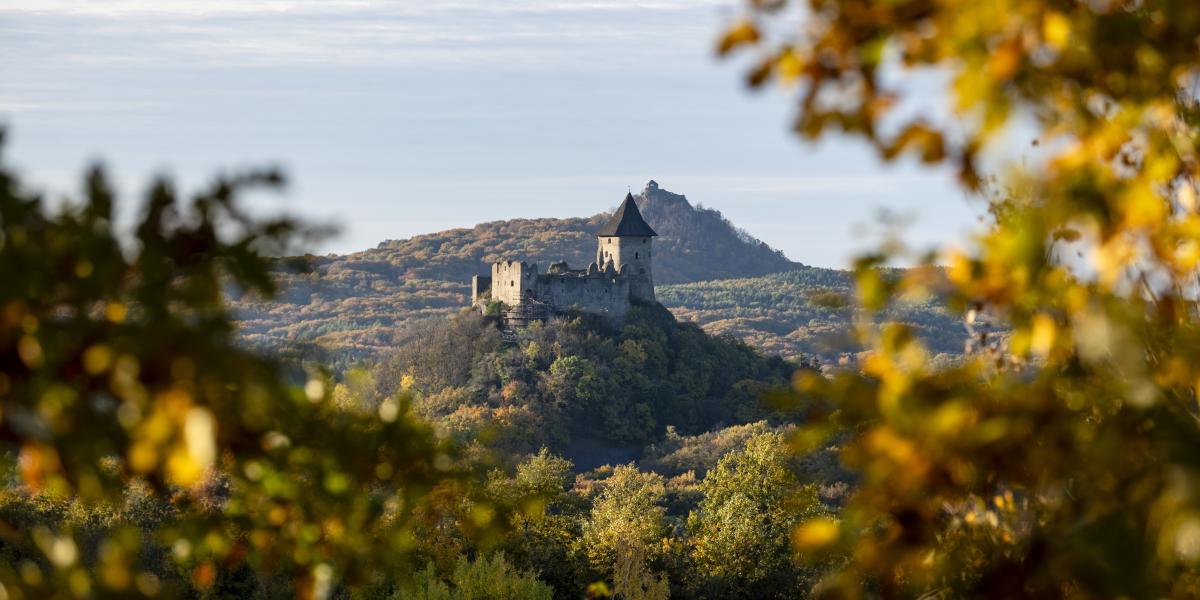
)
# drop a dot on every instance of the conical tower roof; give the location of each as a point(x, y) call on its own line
point(627, 222)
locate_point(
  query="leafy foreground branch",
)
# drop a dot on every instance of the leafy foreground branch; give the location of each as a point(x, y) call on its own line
point(136, 432)
point(1062, 462)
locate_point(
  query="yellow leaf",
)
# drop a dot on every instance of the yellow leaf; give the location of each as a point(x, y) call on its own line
point(951, 418)
point(1056, 30)
point(789, 65)
point(872, 291)
point(30, 351)
point(1004, 61)
point(744, 32)
point(1041, 338)
point(182, 469)
point(815, 534)
point(199, 433)
point(1187, 255)
point(97, 359)
point(598, 589)
point(143, 457)
point(115, 312)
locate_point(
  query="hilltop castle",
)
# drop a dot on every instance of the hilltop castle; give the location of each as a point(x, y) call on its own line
point(620, 275)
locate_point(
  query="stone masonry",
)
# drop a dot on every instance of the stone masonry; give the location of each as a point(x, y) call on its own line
point(620, 275)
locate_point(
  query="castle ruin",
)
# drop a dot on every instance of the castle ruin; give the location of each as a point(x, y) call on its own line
point(620, 275)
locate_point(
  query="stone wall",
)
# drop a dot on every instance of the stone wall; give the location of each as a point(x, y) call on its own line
point(595, 290)
point(601, 289)
point(600, 292)
point(634, 256)
point(512, 280)
point(481, 287)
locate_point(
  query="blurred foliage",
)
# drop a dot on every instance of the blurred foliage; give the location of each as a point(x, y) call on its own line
point(144, 449)
point(1062, 460)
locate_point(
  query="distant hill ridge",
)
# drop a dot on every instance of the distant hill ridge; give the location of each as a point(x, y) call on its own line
point(694, 244)
point(358, 306)
point(354, 306)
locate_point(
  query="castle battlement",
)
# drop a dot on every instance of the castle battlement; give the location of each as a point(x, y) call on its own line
point(608, 286)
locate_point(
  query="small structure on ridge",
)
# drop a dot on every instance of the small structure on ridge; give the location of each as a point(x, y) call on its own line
point(620, 276)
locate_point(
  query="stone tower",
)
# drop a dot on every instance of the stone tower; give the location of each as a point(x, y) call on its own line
point(625, 246)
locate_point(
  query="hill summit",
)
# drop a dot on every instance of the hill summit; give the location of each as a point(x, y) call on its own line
point(360, 306)
point(700, 244)
point(354, 306)
point(693, 244)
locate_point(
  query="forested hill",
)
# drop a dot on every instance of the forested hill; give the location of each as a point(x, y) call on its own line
point(355, 304)
point(698, 244)
point(805, 312)
point(694, 244)
point(575, 384)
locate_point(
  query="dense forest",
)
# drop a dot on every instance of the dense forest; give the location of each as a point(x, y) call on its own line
point(575, 384)
point(807, 312)
point(647, 446)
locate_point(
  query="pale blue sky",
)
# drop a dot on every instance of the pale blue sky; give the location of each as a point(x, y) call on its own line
point(400, 118)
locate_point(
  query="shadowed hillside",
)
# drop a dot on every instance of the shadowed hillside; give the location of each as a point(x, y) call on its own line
point(577, 385)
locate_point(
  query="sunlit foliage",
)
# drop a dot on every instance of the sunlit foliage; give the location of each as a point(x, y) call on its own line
point(740, 531)
point(487, 577)
point(1061, 462)
point(625, 534)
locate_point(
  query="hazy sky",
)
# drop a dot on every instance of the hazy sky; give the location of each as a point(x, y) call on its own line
point(399, 118)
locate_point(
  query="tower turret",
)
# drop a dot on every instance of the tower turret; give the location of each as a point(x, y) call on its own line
point(626, 241)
